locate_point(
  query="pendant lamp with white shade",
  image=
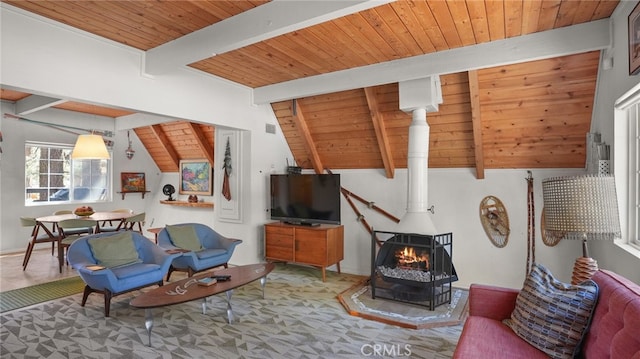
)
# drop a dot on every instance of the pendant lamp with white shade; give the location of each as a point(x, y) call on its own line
point(90, 147)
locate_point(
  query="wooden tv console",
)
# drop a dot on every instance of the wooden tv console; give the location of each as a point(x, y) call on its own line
point(319, 246)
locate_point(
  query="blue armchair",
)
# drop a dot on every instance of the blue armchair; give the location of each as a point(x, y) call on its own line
point(113, 263)
point(205, 248)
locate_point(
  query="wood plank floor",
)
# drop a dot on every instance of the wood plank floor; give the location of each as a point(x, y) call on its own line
point(42, 268)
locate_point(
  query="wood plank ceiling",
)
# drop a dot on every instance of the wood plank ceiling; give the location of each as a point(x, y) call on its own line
point(528, 115)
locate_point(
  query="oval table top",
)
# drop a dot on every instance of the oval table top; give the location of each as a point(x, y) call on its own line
point(187, 289)
point(97, 216)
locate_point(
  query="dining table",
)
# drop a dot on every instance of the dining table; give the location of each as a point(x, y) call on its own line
point(52, 220)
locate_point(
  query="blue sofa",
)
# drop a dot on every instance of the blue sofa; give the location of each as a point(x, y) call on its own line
point(216, 249)
point(150, 267)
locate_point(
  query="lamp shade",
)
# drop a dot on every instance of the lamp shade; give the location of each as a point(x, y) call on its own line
point(90, 147)
point(582, 207)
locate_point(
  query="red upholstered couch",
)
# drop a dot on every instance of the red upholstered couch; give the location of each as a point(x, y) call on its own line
point(614, 332)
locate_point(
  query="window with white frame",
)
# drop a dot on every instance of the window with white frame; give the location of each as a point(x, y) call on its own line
point(634, 170)
point(627, 163)
point(51, 176)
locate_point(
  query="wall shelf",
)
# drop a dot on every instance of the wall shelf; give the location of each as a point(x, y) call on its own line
point(189, 204)
point(125, 193)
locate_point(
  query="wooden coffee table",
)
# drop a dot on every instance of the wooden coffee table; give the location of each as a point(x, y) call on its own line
point(188, 289)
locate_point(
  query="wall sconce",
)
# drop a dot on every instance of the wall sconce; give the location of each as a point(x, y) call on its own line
point(90, 147)
point(129, 152)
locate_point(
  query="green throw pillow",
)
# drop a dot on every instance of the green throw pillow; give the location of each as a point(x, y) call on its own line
point(551, 315)
point(114, 251)
point(184, 237)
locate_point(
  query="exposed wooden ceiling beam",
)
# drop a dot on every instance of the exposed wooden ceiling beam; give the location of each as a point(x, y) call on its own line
point(258, 24)
point(476, 120)
point(381, 132)
point(541, 45)
point(202, 142)
point(303, 130)
point(166, 144)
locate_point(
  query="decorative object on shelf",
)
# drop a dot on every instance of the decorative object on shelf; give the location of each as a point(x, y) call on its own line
point(193, 198)
point(226, 166)
point(129, 152)
point(133, 182)
point(495, 220)
point(90, 147)
point(195, 177)
point(597, 155)
point(634, 40)
point(581, 208)
point(169, 190)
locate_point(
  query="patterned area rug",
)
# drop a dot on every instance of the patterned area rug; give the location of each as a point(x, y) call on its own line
point(300, 317)
point(23, 297)
point(358, 301)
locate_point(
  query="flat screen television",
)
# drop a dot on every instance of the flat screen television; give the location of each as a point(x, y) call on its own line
point(307, 199)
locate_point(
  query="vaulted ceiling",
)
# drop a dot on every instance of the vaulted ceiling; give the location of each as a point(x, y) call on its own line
point(307, 59)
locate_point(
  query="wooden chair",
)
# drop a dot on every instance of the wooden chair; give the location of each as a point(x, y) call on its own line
point(70, 231)
point(67, 230)
point(62, 211)
point(35, 238)
point(108, 226)
point(129, 224)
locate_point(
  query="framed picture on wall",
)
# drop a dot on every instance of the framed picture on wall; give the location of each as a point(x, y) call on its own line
point(634, 41)
point(195, 177)
point(133, 182)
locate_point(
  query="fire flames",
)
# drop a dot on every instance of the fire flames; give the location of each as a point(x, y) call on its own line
point(408, 258)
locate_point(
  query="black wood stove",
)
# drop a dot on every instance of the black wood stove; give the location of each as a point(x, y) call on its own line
point(412, 268)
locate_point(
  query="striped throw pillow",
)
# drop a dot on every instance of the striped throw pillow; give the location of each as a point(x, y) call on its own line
point(551, 315)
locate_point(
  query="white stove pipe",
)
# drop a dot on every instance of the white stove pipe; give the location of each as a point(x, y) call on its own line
point(417, 219)
point(417, 162)
point(418, 96)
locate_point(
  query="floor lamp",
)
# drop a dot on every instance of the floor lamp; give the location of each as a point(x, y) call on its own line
point(582, 208)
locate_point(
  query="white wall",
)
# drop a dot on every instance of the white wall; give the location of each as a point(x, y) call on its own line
point(612, 84)
point(55, 61)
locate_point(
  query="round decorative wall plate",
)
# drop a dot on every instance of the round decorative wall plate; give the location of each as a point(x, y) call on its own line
point(495, 221)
